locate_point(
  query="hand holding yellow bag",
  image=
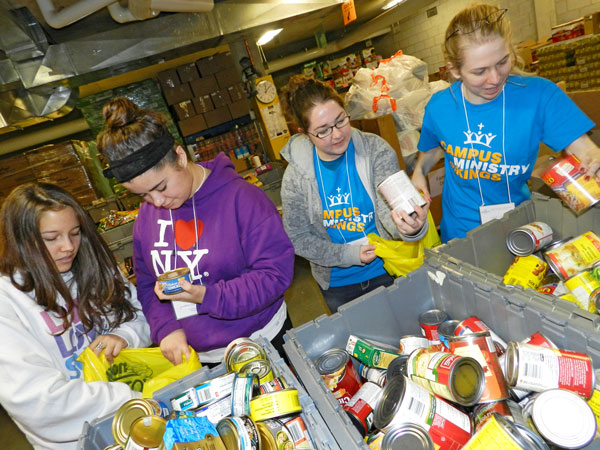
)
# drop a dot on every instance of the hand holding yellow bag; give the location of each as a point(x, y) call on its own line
point(401, 257)
point(144, 369)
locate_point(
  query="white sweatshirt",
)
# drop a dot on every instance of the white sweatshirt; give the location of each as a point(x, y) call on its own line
point(41, 383)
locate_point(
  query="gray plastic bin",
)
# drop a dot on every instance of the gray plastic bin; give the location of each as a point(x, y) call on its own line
point(97, 434)
point(388, 313)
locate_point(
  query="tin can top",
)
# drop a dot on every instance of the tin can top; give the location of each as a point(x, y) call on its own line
point(511, 363)
point(520, 242)
point(171, 275)
point(433, 317)
point(516, 433)
point(239, 433)
point(240, 354)
point(331, 361)
point(397, 367)
point(260, 367)
point(563, 418)
point(390, 401)
point(148, 431)
point(127, 414)
point(408, 436)
point(446, 329)
point(467, 381)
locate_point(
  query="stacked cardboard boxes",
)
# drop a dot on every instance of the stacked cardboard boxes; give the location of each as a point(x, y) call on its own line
point(204, 94)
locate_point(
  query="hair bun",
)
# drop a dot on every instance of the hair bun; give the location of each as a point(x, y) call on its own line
point(120, 112)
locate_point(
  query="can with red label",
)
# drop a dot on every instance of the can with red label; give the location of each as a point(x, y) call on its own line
point(276, 384)
point(446, 331)
point(361, 405)
point(529, 238)
point(377, 376)
point(508, 408)
point(480, 347)
point(538, 368)
point(339, 374)
point(538, 338)
point(404, 401)
point(429, 321)
point(474, 324)
point(456, 378)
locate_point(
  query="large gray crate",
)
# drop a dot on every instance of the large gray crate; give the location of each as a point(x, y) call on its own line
point(97, 434)
point(388, 313)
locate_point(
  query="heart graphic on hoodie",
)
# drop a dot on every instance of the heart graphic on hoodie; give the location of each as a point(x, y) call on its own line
point(185, 233)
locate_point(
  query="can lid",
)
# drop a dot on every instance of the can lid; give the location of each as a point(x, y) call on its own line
point(390, 401)
point(446, 329)
point(331, 361)
point(511, 363)
point(408, 436)
point(563, 418)
point(534, 440)
point(512, 431)
point(148, 431)
point(520, 242)
point(259, 367)
point(397, 367)
point(267, 440)
point(128, 413)
point(433, 317)
point(467, 381)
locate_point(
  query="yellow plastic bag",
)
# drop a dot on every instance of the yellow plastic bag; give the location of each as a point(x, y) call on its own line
point(400, 257)
point(144, 369)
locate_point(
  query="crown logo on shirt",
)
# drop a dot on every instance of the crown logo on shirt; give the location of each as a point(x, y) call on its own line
point(339, 199)
point(479, 138)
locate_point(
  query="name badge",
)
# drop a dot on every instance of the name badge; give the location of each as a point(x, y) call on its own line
point(490, 212)
point(184, 309)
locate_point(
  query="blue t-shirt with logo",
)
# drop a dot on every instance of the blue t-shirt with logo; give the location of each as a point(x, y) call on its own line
point(535, 110)
point(348, 213)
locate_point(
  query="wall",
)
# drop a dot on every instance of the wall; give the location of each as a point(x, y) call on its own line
point(567, 10)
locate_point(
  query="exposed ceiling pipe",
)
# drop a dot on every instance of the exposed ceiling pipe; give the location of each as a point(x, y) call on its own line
point(72, 13)
point(146, 9)
point(34, 138)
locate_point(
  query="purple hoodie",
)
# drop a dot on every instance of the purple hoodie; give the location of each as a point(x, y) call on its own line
point(242, 256)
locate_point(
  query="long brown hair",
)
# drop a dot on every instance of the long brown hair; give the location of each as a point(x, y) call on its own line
point(129, 128)
point(302, 94)
point(101, 291)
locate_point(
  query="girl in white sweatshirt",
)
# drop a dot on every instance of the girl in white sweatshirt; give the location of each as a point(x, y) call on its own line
point(60, 291)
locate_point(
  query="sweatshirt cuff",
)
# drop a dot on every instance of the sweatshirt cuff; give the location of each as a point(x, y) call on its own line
point(209, 299)
point(166, 329)
point(417, 236)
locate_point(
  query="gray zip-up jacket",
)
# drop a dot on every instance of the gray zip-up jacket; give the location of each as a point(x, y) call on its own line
point(303, 211)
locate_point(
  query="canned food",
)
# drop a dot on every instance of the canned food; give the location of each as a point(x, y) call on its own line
point(408, 436)
point(371, 353)
point(404, 401)
point(429, 321)
point(244, 387)
point(273, 435)
point(456, 378)
point(557, 289)
point(538, 368)
point(574, 256)
point(499, 432)
point(276, 384)
point(377, 376)
point(132, 410)
point(400, 193)
point(474, 324)
point(204, 393)
point(260, 367)
point(594, 402)
point(298, 432)
point(526, 271)
point(529, 238)
point(339, 374)
point(216, 410)
point(169, 281)
point(146, 433)
point(275, 404)
point(397, 367)
point(585, 288)
point(480, 347)
point(446, 330)
point(484, 411)
point(538, 338)
point(563, 418)
point(361, 405)
point(241, 351)
point(239, 433)
point(567, 179)
point(409, 344)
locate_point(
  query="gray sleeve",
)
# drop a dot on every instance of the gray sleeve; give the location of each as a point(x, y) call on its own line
point(310, 242)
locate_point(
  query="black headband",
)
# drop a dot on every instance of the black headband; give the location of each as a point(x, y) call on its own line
point(140, 160)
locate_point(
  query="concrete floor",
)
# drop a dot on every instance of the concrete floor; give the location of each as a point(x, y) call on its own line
point(304, 301)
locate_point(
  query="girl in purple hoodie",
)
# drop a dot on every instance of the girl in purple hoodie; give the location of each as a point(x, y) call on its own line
point(204, 217)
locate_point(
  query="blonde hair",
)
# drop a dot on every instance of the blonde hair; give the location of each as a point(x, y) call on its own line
point(476, 24)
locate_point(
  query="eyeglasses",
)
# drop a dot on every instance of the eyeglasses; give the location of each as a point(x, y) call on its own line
point(494, 17)
point(326, 132)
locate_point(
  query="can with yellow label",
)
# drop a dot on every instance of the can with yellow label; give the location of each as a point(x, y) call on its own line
point(275, 404)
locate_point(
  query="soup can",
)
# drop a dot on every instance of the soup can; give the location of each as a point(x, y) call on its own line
point(373, 374)
point(146, 433)
point(530, 238)
point(339, 374)
point(132, 410)
point(537, 368)
point(361, 405)
point(585, 288)
point(574, 256)
point(408, 436)
point(556, 289)
point(408, 344)
point(240, 351)
point(480, 347)
point(429, 321)
point(239, 433)
point(404, 401)
point(474, 324)
point(400, 193)
point(567, 179)
point(456, 378)
point(299, 433)
point(527, 271)
point(446, 330)
point(260, 367)
point(275, 404)
point(538, 338)
point(499, 432)
point(563, 418)
point(169, 281)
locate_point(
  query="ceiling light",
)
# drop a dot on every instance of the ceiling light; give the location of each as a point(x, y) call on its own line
point(268, 36)
point(392, 3)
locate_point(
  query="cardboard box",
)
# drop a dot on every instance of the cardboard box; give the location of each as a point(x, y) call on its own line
point(214, 64)
point(217, 116)
point(184, 110)
point(382, 126)
point(205, 85)
point(76, 181)
point(177, 94)
point(188, 72)
point(236, 93)
point(203, 104)
point(591, 23)
point(168, 78)
point(220, 98)
point(192, 125)
point(241, 165)
point(10, 181)
point(64, 152)
point(11, 164)
point(239, 109)
point(589, 103)
point(228, 77)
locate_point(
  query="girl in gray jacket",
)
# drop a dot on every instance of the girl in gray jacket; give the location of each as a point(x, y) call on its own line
point(330, 198)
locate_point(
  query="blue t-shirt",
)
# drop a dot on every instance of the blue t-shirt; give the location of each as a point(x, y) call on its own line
point(536, 110)
point(348, 213)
